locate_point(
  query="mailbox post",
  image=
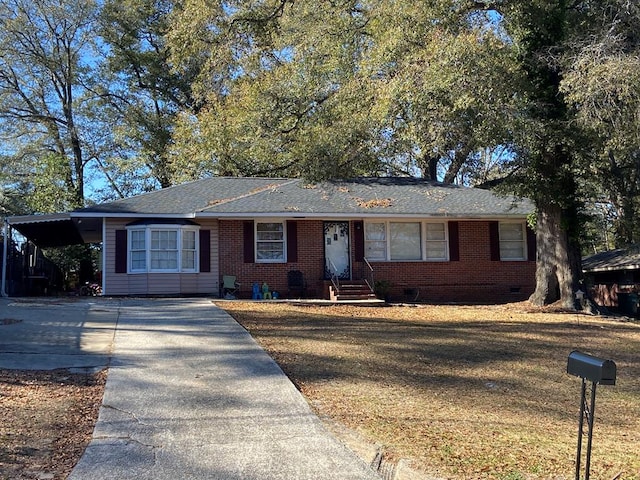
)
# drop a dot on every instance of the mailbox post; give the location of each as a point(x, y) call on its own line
point(596, 370)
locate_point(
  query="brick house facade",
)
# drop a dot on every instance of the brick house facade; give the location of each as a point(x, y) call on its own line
point(475, 276)
point(427, 241)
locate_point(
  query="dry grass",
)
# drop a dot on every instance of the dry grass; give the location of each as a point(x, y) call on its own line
point(462, 391)
point(47, 421)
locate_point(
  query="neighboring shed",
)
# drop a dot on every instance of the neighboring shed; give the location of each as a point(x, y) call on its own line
point(613, 278)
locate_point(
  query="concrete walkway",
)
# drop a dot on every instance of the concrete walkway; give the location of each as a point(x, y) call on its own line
point(190, 395)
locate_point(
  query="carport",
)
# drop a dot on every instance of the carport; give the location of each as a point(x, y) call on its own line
point(47, 231)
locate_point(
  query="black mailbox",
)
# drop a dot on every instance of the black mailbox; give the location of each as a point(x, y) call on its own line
point(595, 369)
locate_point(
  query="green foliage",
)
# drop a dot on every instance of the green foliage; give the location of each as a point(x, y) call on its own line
point(602, 86)
point(382, 288)
point(292, 103)
point(44, 79)
point(48, 192)
point(540, 97)
point(339, 88)
point(144, 95)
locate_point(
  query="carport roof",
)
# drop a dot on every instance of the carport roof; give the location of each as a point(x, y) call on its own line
point(57, 230)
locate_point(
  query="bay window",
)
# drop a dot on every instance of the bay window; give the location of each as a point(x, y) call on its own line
point(189, 250)
point(137, 251)
point(162, 249)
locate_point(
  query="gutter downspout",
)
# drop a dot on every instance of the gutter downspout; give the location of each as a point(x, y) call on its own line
point(5, 251)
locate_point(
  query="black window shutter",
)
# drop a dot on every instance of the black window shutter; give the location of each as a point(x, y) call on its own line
point(249, 248)
point(292, 241)
point(358, 240)
point(205, 250)
point(531, 245)
point(121, 251)
point(454, 242)
point(494, 241)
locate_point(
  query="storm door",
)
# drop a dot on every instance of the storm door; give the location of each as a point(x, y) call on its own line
point(336, 250)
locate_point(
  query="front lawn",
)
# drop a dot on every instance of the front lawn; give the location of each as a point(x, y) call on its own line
point(461, 391)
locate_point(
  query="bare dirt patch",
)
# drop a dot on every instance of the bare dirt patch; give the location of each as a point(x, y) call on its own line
point(461, 391)
point(47, 421)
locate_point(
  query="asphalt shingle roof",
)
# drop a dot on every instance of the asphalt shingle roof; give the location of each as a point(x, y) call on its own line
point(186, 198)
point(387, 196)
point(620, 259)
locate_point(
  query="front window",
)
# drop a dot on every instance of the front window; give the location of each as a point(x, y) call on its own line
point(163, 249)
point(189, 250)
point(138, 251)
point(436, 239)
point(405, 241)
point(270, 242)
point(375, 241)
point(512, 241)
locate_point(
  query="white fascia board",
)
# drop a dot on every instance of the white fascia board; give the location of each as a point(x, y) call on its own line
point(358, 216)
point(294, 215)
point(130, 215)
point(26, 219)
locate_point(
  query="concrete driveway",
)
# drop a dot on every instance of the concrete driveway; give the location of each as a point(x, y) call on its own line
point(189, 394)
point(50, 333)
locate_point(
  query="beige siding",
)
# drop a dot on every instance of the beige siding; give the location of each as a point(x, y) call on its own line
point(114, 283)
point(158, 283)
point(137, 284)
point(164, 284)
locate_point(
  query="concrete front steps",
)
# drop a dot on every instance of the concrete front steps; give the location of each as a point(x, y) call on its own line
point(352, 290)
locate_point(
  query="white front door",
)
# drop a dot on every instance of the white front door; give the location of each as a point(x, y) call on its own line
point(336, 250)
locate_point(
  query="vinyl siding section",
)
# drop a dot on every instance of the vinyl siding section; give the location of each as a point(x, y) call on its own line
point(159, 283)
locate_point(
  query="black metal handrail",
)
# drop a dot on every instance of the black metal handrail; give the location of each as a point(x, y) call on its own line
point(335, 280)
point(370, 281)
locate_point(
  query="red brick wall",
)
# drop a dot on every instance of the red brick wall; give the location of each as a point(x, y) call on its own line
point(310, 259)
point(474, 278)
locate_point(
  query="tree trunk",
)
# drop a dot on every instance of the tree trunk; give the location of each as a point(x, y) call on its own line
point(555, 269)
point(429, 166)
point(459, 159)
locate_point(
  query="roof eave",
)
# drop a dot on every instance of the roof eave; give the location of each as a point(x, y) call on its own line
point(475, 217)
point(130, 215)
point(611, 268)
point(26, 219)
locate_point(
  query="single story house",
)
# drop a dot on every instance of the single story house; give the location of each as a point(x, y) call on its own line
point(613, 278)
point(426, 241)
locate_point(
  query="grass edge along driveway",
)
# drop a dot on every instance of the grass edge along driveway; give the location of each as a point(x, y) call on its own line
point(460, 391)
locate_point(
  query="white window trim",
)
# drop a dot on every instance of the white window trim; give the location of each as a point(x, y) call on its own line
point(386, 241)
point(423, 240)
point(147, 229)
point(421, 230)
point(195, 250)
point(445, 240)
point(130, 269)
point(524, 256)
point(284, 240)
